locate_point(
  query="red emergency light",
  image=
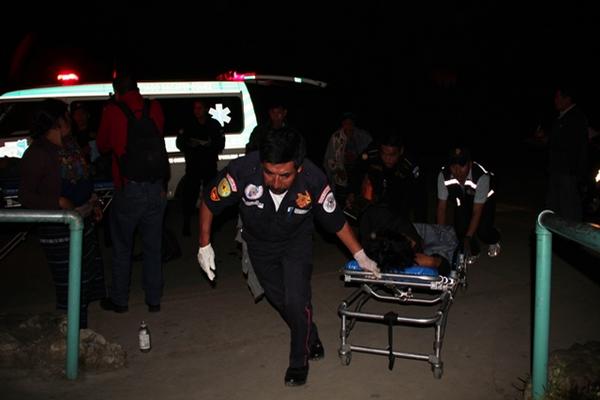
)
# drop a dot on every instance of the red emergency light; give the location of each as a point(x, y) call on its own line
point(67, 77)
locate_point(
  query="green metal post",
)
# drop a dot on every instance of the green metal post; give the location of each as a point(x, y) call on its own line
point(75, 240)
point(541, 326)
point(76, 232)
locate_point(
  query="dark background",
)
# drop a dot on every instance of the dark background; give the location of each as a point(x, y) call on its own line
point(439, 72)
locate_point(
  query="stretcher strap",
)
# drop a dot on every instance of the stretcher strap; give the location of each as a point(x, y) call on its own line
point(390, 318)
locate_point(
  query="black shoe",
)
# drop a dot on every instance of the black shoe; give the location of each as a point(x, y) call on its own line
point(108, 305)
point(153, 307)
point(317, 351)
point(296, 376)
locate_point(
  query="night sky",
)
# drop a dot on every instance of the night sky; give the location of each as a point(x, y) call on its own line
point(474, 69)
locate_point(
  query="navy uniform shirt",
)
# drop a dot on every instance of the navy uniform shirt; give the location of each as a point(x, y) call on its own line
point(309, 196)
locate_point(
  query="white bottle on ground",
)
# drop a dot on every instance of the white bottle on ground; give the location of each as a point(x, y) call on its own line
point(144, 338)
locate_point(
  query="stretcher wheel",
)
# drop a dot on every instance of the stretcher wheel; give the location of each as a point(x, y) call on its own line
point(438, 371)
point(346, 358)
point(345, 354)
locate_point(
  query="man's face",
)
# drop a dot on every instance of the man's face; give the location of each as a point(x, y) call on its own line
point(561, 102)
point(348, 126)
point(80, 117)
point(279, 177)
point(389, 155)
point(460, 172)
point(277, 116)
point(199, 110)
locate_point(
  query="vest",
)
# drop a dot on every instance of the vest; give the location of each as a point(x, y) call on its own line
point(466, 193)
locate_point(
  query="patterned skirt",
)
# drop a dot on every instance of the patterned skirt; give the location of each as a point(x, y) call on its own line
point(54, 239)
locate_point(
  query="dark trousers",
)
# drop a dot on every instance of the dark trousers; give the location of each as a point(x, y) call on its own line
point(486, 232)
point(141, 206)
point(192, 183)
point(563, 196)
point(285, 277)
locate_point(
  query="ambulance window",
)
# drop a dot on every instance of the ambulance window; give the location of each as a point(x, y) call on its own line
point(227, 109)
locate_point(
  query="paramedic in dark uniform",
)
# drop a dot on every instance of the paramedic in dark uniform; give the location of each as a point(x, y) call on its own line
point(470, 186)
point(279, 195)
point(387, 176)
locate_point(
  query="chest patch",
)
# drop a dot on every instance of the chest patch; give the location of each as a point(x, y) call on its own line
point(303, 200)
point(253, 192)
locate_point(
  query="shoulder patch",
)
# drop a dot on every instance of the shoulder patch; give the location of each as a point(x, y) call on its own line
point(329, 204)
point(232, 183)
point(324, 194)
point(224, 188)
point(214, 195)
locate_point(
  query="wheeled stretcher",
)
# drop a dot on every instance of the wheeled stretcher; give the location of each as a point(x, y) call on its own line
point(416, 286)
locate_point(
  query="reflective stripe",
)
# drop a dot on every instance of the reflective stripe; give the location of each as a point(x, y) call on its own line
point(491, 192)
point(471, 184)
point(452, 181)
point(457, 202)
point(480, 166)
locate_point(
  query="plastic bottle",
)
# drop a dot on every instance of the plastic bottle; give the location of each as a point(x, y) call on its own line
point(144, 338)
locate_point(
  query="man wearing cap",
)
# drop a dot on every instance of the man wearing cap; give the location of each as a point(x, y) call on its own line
point(470, 186)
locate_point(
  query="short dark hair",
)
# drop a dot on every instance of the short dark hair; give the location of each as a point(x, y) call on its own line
point(123, 83)
point(47, 115)
point(281, 146)
point(391, 138)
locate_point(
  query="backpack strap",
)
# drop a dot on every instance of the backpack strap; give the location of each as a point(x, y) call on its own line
point(126, 110)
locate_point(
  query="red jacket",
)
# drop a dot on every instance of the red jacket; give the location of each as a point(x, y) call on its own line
point(112, 134)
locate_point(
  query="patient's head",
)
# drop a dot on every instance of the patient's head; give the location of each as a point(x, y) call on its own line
point(390, 250)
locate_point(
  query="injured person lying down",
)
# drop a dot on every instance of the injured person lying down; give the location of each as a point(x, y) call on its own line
point(394, 242)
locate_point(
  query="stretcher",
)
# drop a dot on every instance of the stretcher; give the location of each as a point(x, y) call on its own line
point(419, 287)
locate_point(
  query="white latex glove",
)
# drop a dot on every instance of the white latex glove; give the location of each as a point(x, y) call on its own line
point(366, 264)
point(206, 259)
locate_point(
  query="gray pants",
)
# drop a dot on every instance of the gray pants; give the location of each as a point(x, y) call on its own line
point(438, 239)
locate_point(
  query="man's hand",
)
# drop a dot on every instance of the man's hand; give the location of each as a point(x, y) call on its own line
point(366, 264)
point(467, 246)
point(206, 259)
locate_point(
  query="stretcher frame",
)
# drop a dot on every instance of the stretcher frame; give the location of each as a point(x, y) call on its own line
point(401, 289)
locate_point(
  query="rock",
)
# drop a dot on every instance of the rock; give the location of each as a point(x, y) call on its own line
point(39, 343)
point(575, 371)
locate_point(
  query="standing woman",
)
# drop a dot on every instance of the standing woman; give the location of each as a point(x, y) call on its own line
point(55, 176)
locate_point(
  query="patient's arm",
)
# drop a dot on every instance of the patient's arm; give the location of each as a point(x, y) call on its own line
point(427, 261)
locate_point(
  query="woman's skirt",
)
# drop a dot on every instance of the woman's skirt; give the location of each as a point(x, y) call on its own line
point(54, 239)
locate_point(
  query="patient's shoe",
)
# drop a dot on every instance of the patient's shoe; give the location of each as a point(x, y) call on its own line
point(296, 376)
point(317, 351)
point(494, 250)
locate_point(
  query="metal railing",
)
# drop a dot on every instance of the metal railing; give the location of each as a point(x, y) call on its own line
point(76, 232)
point(586, 234)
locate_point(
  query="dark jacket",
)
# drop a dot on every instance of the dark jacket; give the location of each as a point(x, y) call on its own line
point(40, 181)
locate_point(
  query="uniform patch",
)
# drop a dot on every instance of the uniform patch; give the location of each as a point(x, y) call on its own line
point(214, 195)
point(224, 189)
point(231, 183)
point(323, 194)
point(329, 204)
point(253, 192)
point(303, 200)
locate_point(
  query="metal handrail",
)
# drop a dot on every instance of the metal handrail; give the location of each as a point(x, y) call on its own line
point(586, 234)
point(76, 232)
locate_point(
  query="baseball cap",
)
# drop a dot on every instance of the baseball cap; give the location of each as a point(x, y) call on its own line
point(459, 155)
